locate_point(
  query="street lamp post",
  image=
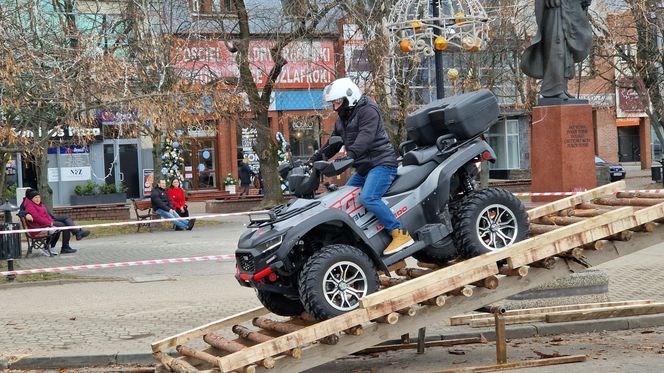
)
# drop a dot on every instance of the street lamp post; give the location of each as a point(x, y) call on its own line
point(438, 54)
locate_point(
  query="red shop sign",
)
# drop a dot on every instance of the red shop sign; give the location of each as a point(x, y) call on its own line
point(310, 63)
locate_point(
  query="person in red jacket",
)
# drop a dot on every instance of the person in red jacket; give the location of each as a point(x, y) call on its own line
point(37, 216)
point(176, 194)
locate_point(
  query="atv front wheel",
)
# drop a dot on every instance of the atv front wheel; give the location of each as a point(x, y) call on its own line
point(334, 279)
point(279, 304)
point(489, 220)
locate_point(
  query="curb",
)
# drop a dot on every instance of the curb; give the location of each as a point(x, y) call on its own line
point(64, 281)
point(512, 332)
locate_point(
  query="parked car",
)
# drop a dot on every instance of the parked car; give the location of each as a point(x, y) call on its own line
point(617, 172)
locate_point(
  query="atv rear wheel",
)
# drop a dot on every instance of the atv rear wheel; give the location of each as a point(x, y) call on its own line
point(334, 279)
point(280, 304)
point(440, 252)
point(488, 220)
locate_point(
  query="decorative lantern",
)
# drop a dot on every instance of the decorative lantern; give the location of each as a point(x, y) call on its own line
point(406, 45)
point(440, 43)
point(452, 74)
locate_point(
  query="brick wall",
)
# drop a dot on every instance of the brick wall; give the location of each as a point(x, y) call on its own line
point(607, 135)
point(97, 212)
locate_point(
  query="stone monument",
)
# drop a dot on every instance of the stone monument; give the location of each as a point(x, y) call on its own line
point(562, 141)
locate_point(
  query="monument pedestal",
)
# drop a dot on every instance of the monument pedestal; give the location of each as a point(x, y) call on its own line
point(562, 149)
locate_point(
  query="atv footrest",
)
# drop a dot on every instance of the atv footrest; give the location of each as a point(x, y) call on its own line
point(432, 233)
point(391, 259)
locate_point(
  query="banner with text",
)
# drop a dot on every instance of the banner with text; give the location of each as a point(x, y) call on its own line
point(310, 63)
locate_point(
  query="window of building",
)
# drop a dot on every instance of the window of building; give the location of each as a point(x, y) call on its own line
point(504, 139)
point(212, 7)
point(304, 136)
point(296, 8)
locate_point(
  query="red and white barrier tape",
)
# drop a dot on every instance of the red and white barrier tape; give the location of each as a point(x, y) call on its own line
point(74, 227)
point(208, 258)
point(573, 193)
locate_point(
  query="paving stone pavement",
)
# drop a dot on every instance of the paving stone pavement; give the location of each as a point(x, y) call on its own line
point(119, 316)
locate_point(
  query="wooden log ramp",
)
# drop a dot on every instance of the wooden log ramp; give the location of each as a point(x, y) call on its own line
point(417, 297)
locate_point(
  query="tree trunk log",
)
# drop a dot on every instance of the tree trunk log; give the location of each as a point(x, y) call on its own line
point(621, 236)
point(627, 201)
point(559, 220)
point(507, 271)
point(537, 229)
point(639, 195)
point(257, 337)
point(233, 346)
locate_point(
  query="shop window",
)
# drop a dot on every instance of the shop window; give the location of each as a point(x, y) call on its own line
point(304, 136)
point(212, 7)
point(504, 139)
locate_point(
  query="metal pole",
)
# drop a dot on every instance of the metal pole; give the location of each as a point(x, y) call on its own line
point(438, 55)
point(421, 334)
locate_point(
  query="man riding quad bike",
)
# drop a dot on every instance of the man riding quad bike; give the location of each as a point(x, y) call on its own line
point(321, 254)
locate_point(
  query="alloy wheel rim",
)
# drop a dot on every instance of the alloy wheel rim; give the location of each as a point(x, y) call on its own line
point(497, 227)
point(343, 285)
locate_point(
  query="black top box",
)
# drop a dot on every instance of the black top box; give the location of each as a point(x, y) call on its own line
point(465, 116)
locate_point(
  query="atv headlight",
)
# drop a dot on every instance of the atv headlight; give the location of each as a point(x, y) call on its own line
point(271, 243)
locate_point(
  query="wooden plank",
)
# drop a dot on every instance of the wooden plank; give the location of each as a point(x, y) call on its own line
point(438, 282)
point(548, 241)
point(509, 320)
point(519, 364)
point(465, 319)
point(200, 331)
point(374, 334)
point(606, 312)
point(592, 230)
point(574, 200)
point(287, 342)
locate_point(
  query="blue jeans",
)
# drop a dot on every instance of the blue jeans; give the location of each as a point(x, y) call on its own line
point(184, 224)
point(374, 185)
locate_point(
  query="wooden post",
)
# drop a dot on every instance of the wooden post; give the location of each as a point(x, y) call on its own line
point(224, 344)
point(621, 236)
point(408, 311)
point(627, 201)
point(438, 301)
point(647, 227)
point(176, 365)
point(501, 343)
point(464, 290)
point(421, 335)
point(507, 271)
point(584, 213)
point(412, 272)
point(357, 330)
point(391, 318)
point(285, 328)
point(597, 245)
point(391, 281)
point(547, 263)
point(490, 282)
point(639, 195)
point(257, 337)
point(198, 355)
point(537, 229)
point(559, 220)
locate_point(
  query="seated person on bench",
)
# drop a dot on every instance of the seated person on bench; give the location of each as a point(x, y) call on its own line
point(38, 216)
point(162, 205)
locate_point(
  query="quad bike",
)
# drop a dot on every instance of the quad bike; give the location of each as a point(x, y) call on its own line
point(321, 254)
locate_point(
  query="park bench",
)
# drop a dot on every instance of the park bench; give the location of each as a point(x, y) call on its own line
point(40, 241)
point(144, 213)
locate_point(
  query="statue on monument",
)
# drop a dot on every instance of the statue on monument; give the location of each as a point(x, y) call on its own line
point(564, 37)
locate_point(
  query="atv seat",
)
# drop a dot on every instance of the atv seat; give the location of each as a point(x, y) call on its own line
point(409, 177)
point(419, 156)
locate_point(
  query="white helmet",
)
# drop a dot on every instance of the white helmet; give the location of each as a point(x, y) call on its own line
point(340, 88)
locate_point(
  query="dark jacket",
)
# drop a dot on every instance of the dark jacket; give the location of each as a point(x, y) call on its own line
point(160, 199)
point(364, 137)
point(245, 173)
